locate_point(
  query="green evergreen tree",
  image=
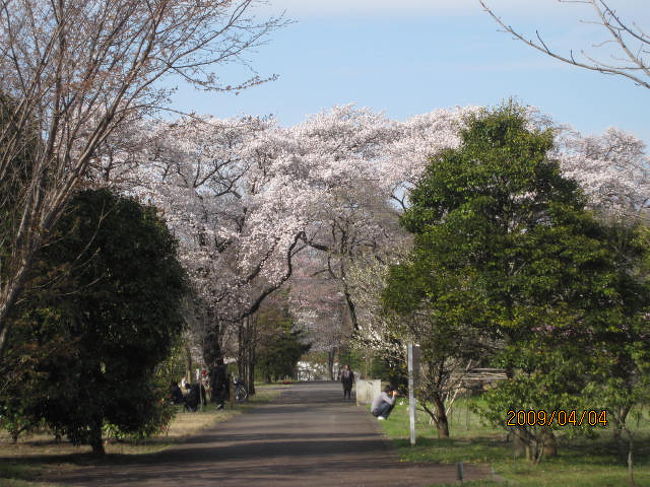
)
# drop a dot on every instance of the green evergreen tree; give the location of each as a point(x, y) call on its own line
point(508, 262)
point(103, 311)
point(280, 344)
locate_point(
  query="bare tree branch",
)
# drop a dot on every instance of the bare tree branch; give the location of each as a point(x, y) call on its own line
point(632, 65)
point(81, 70)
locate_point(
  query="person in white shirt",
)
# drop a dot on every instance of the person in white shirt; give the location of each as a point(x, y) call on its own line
point(384, 403)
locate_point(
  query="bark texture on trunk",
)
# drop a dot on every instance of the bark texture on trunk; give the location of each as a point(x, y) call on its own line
point(442, 422)
point(550, 444)
point(96, 441)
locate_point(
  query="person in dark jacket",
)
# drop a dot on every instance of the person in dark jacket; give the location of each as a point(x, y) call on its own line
point(219, 384)
point(193, 397)
point(175, 393)
point(347, 379)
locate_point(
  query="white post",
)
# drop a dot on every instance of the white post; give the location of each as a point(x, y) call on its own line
point(409, 350)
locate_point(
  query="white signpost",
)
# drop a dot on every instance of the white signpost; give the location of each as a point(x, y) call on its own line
point(410, 353)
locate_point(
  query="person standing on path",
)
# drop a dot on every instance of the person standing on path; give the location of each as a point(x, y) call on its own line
point(219, 384)
point(347, 379)
point(384, 403)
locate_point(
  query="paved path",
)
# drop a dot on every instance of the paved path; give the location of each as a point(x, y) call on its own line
point(309, 437)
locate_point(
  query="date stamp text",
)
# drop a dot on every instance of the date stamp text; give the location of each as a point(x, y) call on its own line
point(560, 417)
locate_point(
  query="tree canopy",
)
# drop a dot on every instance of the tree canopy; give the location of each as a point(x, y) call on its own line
point(505, 246)
point(102, 311)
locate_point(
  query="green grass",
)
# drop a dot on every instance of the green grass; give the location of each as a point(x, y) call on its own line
point(581, 462)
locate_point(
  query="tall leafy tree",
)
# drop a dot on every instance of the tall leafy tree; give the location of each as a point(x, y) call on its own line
point(503, 245)
point(102, 312)
point(280, 343)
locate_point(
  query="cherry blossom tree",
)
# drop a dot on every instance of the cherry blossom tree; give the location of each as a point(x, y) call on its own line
point(216, 185)
point(343, 151)
point(318, 307)
point(361, 165)
point(612, 169)
point(419, 138)
point(74, 72)
point(250, 201)
point(377, 332)
point(245, 195)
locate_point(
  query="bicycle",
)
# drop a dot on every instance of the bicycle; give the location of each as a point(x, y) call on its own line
point(241, 391)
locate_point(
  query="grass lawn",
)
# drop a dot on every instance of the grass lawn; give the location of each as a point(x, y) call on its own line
point(21, 463)
point(581, 462)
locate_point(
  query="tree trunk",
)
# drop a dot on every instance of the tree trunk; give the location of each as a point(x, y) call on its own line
point(10, 294)
point(188, 364)
point(3, 327)
point(519, 444)
point(630, 463)
point(550, 444)
point(211, 349)
point(442, 423)
point(533, 446)
point(96, 438)
point(351, 307)
point(619, 427)
point(619, 423)
point(246, 353)
point(331, 354)
point(242, 349)
point(251, 368)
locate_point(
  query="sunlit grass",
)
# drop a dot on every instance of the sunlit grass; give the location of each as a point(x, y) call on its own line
point(581, 462)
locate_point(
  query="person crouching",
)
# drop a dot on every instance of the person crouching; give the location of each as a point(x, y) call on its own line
point(384, 403)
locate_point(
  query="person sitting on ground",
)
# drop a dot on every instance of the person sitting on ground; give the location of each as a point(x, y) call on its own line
point(193, 397)
point(175, 393)
point(384, 403)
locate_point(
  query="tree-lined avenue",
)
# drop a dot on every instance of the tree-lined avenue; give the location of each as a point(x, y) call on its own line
point(309, 437)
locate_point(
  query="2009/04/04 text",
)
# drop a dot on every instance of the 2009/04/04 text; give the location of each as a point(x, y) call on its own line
point(561, 417)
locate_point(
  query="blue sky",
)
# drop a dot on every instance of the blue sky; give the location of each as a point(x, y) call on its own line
point(411, 56)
